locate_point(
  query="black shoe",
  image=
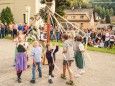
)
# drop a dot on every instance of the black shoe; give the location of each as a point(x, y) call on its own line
point(32, 81)
point(28, 66)
point(50, 81)
point(40, 76)
point(19, 81)
point(52, 75)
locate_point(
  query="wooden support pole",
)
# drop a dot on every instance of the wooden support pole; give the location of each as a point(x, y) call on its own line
point(48, 27)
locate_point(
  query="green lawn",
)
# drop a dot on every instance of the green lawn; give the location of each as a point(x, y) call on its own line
point(103, 50)
point(8, 37)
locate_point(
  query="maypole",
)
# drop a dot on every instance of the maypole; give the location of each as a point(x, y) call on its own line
point(49, 4)
point(48, 27)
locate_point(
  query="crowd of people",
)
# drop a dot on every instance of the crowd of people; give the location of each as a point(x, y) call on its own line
point(12, 29)
point(101, 38)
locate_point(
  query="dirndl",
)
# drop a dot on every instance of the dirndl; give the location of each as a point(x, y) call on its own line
point(79, 59)
point(21, 61)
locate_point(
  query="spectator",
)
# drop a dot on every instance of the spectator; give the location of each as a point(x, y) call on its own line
point(57, 35)
point(20, 27)
point(90, 42)
point(112, 39)
point(25, 28)
point(11, 29)
point(107, 36)
point(14, 27)
point(93, 36)
point(6, 29)
point(101, 44)
point(51, 33)
point(2, 31)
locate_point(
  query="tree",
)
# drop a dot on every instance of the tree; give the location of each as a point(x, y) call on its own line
point(108, 20)
point(7, 16)
point(111, 11)
point(60, 6)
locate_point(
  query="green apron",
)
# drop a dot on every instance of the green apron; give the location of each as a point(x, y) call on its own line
point(79, 59)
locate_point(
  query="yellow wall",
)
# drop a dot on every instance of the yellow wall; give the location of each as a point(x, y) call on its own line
point(18, 8)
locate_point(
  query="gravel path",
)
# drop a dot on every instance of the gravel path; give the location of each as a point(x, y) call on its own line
point(99, 73)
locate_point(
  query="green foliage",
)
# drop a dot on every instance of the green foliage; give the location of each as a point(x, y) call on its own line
point(60, 6)
point(103, 50)
point(78, 4)
point(108, 20)
point(111, 12)
point(6, 16)
point(43, 13)
point(43, 1)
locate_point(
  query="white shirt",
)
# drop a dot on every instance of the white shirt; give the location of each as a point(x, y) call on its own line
point(81, 47)
point(112, 38)
point(37, 53)
point(107, 36)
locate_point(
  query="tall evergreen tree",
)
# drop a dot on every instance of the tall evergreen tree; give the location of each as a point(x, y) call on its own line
point(7, 16)
point(108, 20)
point(111, 11)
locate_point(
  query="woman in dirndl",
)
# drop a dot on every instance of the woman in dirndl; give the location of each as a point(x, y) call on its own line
point(21, 58)
point(78, 54)
point(16, 40)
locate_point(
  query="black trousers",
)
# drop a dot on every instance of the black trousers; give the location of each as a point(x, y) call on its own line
point(51, 68)
point(14, 33)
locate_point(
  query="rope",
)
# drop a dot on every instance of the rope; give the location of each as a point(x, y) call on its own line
point(58, 23)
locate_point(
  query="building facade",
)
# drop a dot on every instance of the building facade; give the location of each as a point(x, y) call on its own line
point(83, 18)
point(22, 9)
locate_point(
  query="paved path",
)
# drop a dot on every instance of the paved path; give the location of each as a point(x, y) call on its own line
point(100, 73)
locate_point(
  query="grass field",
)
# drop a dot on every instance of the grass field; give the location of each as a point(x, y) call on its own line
point(103, 50)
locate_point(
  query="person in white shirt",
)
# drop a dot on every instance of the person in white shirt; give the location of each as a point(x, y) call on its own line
point(107, 36)
point(36, 54)
point(79, 58)
point(68, 58)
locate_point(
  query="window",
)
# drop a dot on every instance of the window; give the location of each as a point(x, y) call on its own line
point(81, 25)
point(66, 17)
point(73, 17)
point(82, 16)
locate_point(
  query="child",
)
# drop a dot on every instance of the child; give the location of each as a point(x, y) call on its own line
point(101, 45)
point(90, 42)
point(50, 59)
point(22, 37)
point(68, 58)
point(44, 59)
point(36, 53)
point(21, 58)
point(79, 59)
